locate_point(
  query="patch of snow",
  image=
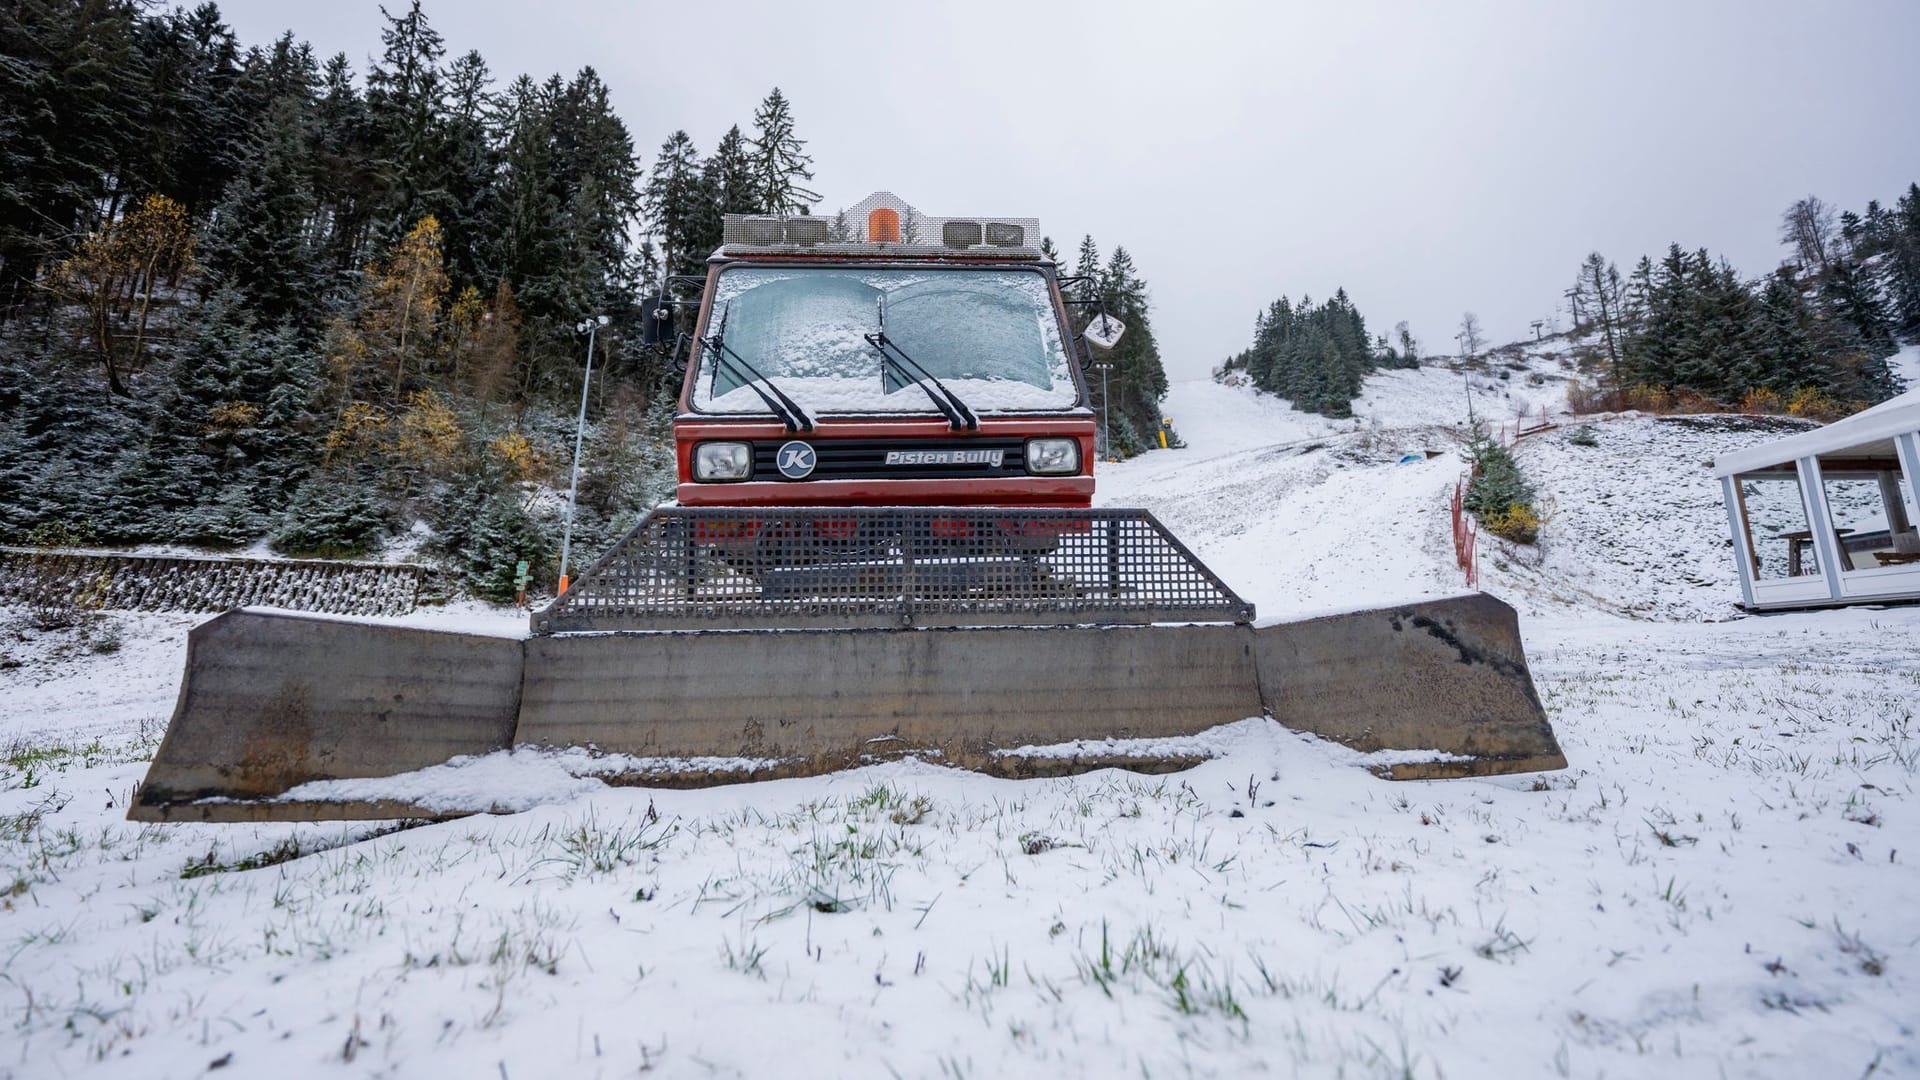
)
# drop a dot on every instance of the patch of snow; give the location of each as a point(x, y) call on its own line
point(1906, 365)
point(502, 782)
point(1215, 742)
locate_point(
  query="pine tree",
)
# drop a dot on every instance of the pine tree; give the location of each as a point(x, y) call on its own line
point(1600, 286)
point(406, 105)
point(1139, 378)
point(1087, 269)
point(527, 225)
point(470, 165)
point(1784, 351)
point(679, 202)
point(69, 71)
point(735, 187)
point(192, 115)
point(344, 181)
point(209, 470)
point(261, 239)
point(60, 451)
point(336, 513)
point(1852, 295)
point(779, 159)
point(1318, 356)
point(1899, 233)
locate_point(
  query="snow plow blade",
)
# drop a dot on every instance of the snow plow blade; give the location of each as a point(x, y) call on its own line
point(288, 717)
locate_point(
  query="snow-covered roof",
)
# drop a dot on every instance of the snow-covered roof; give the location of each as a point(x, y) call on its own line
point(1895, 416)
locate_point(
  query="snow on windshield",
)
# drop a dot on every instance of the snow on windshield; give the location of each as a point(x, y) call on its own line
point(989, 335)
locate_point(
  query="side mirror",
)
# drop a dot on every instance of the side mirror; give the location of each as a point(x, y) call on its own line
point(656, 321)
point(1104, 331)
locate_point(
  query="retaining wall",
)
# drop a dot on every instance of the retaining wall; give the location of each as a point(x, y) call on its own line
point(113, 581)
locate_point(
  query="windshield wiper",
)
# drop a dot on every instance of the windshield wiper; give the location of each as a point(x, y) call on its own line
point(791, 414)
point(948, 402)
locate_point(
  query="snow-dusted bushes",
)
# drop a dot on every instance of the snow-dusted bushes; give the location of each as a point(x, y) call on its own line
point(1499, 495)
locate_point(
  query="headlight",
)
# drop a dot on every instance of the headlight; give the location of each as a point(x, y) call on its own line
point(1053, 457)
point(722, 461)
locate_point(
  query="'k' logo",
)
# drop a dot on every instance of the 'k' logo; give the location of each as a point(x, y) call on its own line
point(796, 460)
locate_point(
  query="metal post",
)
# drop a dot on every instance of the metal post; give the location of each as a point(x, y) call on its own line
point(1466, 376)
point(592, 327)
point(1106, 435)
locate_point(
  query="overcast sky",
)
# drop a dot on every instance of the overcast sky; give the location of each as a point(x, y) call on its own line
point(1430, 158)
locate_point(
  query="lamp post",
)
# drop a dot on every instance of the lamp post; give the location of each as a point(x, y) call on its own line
point(589, 327)
point(1466, 376)
point(1106, 437)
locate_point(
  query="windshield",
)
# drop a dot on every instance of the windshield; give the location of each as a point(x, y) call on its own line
point(990, 336)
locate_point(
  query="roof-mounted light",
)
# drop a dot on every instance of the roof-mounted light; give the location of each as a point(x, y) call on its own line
point(775, 231)
point(960, 234)
point(881, 224)
point(807, 230)
point(1005, 234)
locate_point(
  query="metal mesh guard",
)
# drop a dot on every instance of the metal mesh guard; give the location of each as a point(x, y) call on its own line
point(733, 568)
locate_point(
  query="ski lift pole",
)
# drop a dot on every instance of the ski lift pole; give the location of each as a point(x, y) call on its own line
point(592, 327)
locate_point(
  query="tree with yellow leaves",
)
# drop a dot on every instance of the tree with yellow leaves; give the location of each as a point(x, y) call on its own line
point(400, 325)
point(114, 273)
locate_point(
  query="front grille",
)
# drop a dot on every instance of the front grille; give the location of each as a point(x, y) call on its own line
point(735, 568)
point(865, 459)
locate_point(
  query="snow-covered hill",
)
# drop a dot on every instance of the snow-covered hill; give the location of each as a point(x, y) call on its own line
point(1304, 514)
point(1723, 883)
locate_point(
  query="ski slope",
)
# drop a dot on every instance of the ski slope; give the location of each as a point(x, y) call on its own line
point(1722, 884)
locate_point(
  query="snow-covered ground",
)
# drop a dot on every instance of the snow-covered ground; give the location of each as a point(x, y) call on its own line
point(1906, 364)
point(1723, 883)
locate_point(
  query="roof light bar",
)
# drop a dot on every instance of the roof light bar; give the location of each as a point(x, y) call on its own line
point(881, 224)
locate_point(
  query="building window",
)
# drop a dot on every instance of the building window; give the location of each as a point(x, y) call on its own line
point(1775, 517)
point(1872, 524)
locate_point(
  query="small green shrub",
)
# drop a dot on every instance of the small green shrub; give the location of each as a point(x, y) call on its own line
point(333, 515)
point(1499, 494)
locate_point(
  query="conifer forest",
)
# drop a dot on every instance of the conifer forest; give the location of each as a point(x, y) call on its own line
point(251, 295)
point(1811, 337)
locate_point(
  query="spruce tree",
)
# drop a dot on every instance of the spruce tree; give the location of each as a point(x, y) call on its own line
point(1852, 296)
point(199, 475)
point(261, 239)
point(69, 72)
point(678, 203)
point(470, 162)
point(735, 189)
point(1088, 266)
point(780, 162)
point(192, 115)
point(406, 105)
point(344, 179)
point(1901, 239)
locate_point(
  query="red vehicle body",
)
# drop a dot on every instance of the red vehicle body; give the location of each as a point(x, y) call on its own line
point(856, 442)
